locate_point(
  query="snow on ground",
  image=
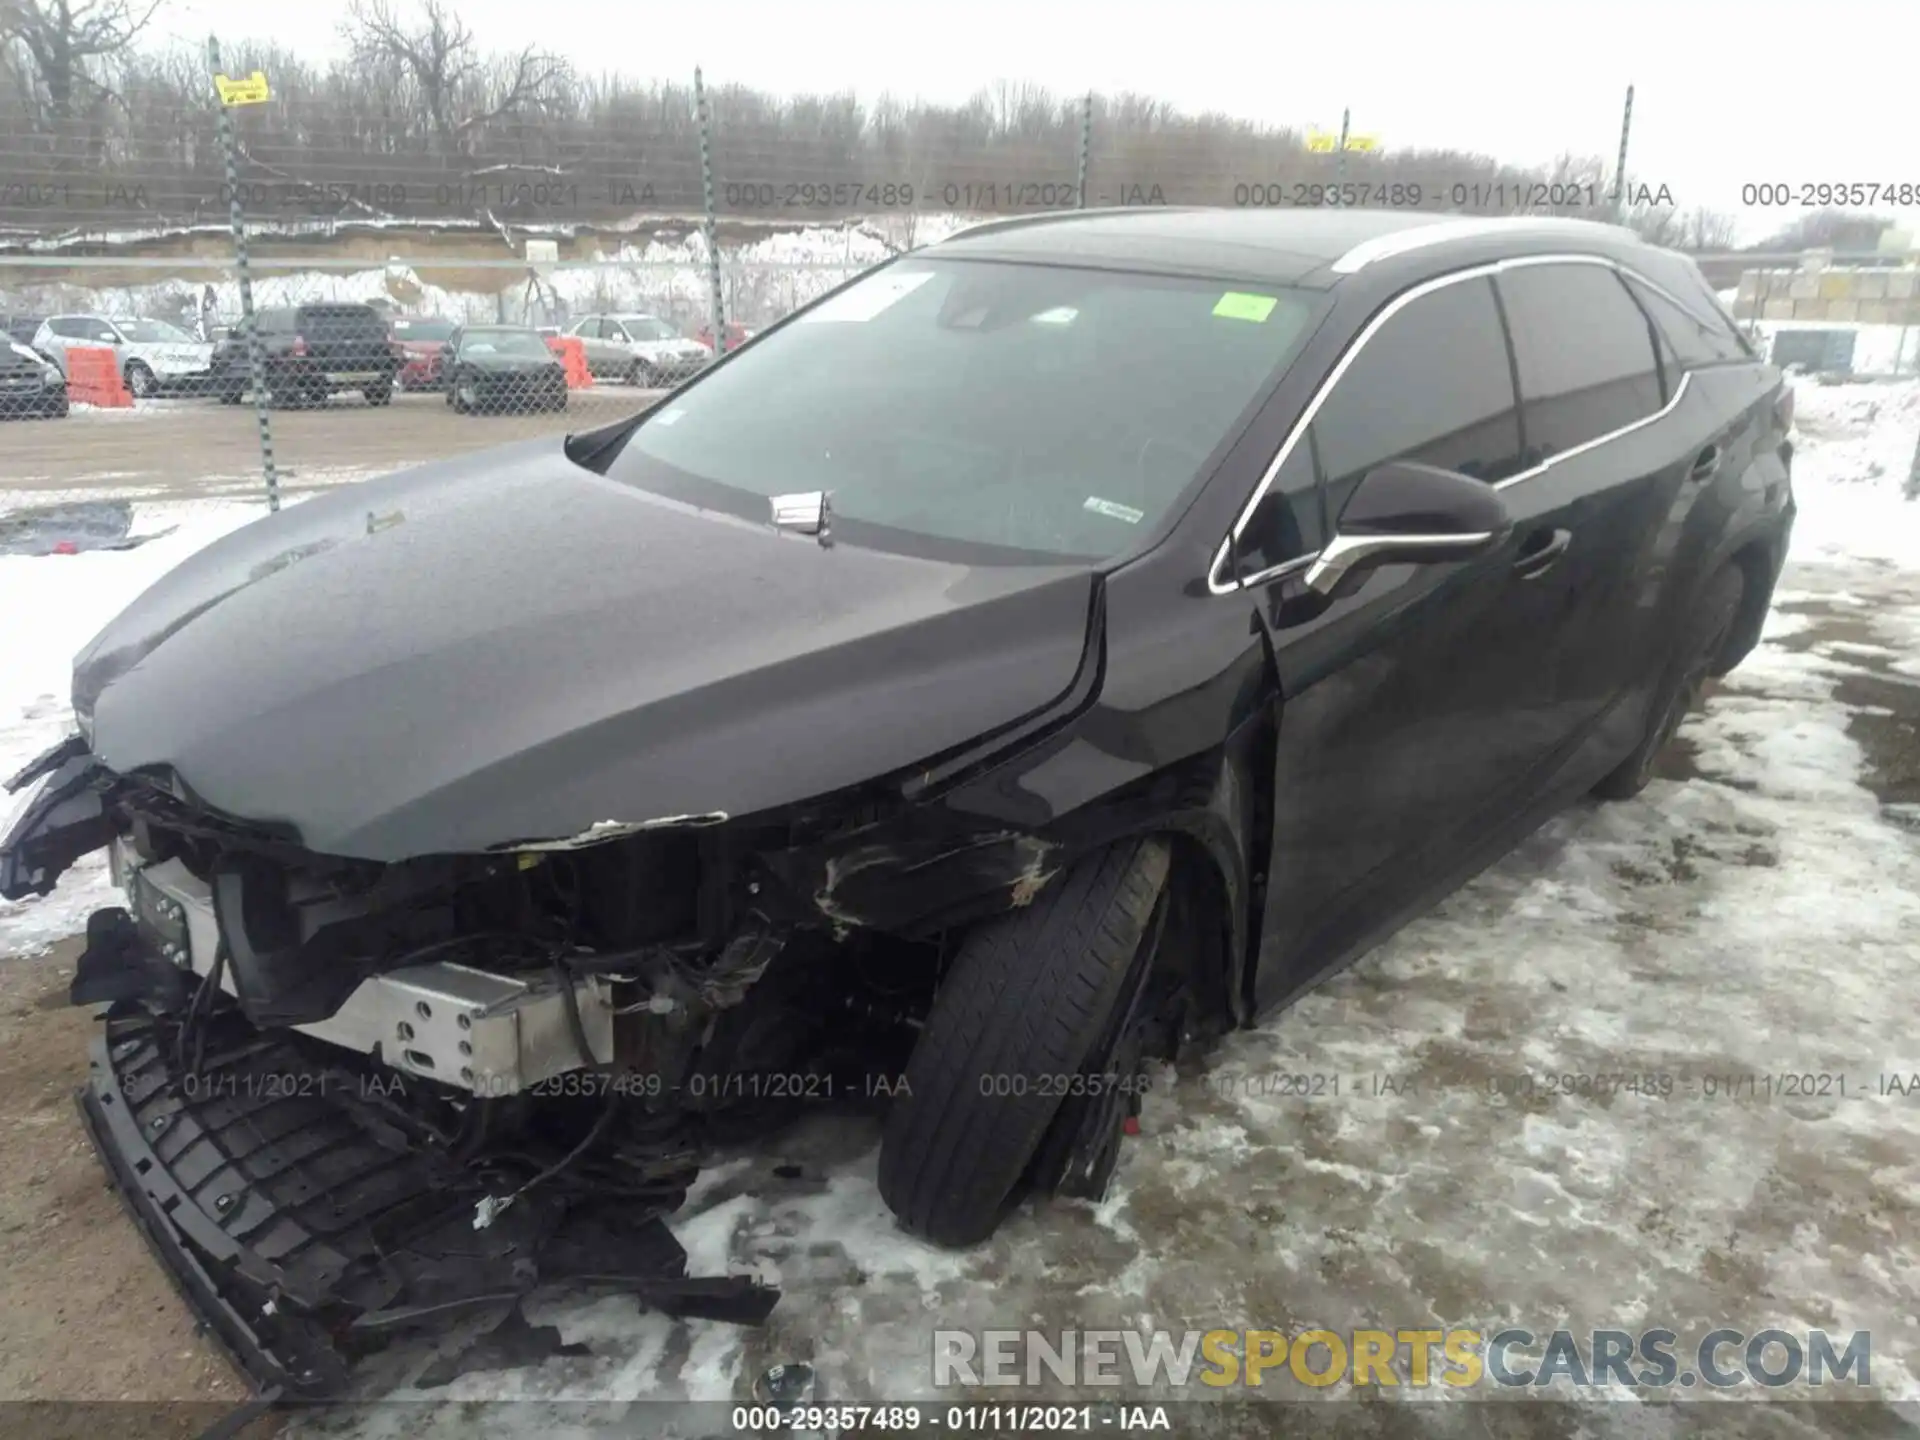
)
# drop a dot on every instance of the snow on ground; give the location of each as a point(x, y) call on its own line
point(54, 605)
point(1756, 913)
point(761, 280)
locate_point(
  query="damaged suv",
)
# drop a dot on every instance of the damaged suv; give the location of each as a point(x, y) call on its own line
point(1058, 646)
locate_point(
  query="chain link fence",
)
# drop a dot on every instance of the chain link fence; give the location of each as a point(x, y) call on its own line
point(373, 266)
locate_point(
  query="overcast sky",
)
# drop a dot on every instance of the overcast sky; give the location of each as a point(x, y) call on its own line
point(1725, 94)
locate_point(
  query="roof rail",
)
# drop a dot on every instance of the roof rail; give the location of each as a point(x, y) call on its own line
point(1399, 242)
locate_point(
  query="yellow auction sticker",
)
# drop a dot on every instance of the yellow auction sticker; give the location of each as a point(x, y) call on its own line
point(1237, 306)
point(250, 91)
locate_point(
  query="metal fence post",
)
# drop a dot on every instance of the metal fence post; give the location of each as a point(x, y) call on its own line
point(706, 190)
point(256, 367)
point(1620, 168)
point(1340, 156)
point(1086, 145)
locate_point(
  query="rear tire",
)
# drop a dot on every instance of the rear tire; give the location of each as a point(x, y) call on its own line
point(1702, 642)
point(379, 394)
point(1028, 997)
point(141, 383)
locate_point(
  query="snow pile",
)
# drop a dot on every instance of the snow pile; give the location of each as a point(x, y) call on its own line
point(1853, 451)
point(665, 273)
point(54, 605)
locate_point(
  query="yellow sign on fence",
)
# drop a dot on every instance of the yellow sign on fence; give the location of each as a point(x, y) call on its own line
point(1324, 143)
point(250, 91)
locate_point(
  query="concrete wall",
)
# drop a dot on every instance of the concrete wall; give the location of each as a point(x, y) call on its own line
point(1836, 296)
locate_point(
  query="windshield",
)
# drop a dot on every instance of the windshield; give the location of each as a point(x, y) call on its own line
point(512, 344)
point(646, 327)
point(423, 329)
point(153, 330)
point(1029, 408)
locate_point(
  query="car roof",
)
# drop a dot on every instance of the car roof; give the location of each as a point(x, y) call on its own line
point(1313, 248)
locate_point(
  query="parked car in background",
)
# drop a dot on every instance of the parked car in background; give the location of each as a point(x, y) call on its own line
point(30, 384)
point(154, 357)
point(423, 344)
point(503, 368)
point(21, 328)
point(639, 349)
point(737, 335)
point(312, 352)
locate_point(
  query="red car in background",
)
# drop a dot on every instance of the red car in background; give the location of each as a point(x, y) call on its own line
point(422, 341)
point(737, 335)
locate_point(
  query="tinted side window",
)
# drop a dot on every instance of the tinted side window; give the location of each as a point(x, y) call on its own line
point(71, 329)
point(1696, 339)
point(1585, 355)
point(1288, 523)
point(1433, 385)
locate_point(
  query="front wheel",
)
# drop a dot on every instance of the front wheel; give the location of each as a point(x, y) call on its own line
point(141, 383)
point(1703, 641)
point(379, 394)
point(1025, 1005)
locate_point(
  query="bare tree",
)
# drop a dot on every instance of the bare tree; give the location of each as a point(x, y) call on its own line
point(459, 90)
point(1704, 229)
point(1829, 229)
point(54, 49)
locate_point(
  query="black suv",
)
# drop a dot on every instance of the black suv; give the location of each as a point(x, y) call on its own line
point(312, 352)
point(30, 384)
point(1128, 621)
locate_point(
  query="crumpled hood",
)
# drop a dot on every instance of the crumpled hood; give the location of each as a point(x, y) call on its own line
point(506, 648)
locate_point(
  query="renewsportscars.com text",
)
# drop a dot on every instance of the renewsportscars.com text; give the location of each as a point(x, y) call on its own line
point(1653, 1358)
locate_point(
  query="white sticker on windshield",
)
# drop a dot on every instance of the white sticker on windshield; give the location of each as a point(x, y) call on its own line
point(1059, 315)
point(1114, 510)
point(869, 297)
point(669, 417)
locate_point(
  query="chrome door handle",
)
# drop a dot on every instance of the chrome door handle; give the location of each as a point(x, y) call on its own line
point(1542, 553)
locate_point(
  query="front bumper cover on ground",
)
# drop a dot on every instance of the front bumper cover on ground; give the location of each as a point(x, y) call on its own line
point(303, 1233)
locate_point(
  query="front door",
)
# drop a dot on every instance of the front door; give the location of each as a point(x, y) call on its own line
point(1415, 712)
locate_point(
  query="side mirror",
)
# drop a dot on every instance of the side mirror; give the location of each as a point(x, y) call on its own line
point(1403, 513)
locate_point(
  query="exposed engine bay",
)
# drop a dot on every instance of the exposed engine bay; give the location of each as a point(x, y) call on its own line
point(356, 1096)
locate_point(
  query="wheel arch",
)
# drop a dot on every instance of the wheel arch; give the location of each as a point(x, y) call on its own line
point(1758, 556)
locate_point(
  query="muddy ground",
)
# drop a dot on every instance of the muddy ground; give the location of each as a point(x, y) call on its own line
point(188, 449)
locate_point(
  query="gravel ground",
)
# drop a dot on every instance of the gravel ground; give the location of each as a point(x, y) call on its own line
point(1754, 916)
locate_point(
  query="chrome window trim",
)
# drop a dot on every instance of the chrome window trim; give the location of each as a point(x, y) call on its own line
point(1223, 554)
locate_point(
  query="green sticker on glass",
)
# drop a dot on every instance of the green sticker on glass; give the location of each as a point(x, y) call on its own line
point(1236, 306)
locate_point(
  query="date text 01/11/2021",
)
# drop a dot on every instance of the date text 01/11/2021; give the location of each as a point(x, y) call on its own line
point(957, 1419)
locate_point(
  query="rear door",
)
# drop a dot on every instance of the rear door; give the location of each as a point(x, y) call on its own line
point(1611, 462)
point(1409, 710)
